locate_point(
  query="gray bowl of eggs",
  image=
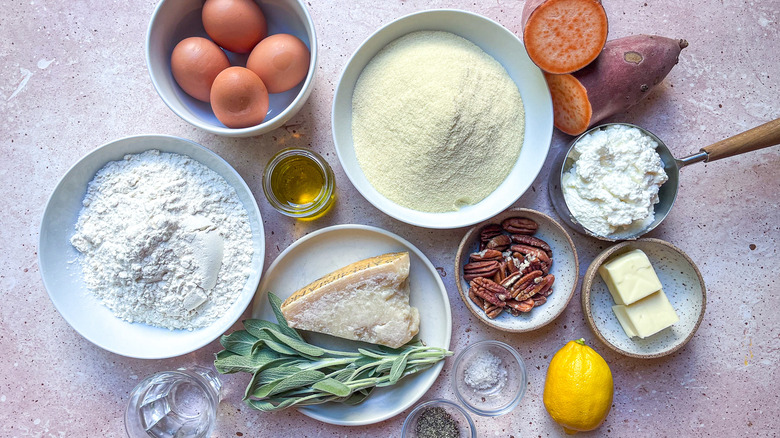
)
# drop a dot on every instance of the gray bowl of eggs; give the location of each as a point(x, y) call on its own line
point(236, 68)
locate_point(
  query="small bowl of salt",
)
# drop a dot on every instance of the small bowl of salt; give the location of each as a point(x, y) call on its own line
point(489, 378)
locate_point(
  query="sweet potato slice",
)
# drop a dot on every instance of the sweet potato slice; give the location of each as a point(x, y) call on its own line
point(625, 72)
point(563, 36)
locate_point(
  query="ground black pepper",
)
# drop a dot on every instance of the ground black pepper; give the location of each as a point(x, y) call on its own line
point(436, 422)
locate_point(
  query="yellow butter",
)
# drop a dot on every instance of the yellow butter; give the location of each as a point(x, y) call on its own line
point(647, 316)
point(625, 321)
point(366, 301)
point(630, 277)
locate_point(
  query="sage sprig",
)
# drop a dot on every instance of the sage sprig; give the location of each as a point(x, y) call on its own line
point(288, 371)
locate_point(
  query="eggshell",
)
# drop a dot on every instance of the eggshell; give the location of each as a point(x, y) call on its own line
point(281, 61)
point(236, 25)
point(239, 98)
point(195, 62)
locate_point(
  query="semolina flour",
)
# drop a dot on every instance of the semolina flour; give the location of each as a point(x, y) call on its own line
point(437, 123)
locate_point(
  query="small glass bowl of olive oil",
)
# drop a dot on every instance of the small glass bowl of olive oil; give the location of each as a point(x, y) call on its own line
point(299, 183)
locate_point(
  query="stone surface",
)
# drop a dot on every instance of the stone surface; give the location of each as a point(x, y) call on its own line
point(73, 77)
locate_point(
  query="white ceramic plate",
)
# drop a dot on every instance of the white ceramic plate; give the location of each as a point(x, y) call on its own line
point(565, 267)
point(329, 249)
point(508, 50)
point(682, 282)
point(61, 271)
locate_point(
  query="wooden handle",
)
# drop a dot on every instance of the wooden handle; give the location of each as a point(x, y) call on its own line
point(759, 137)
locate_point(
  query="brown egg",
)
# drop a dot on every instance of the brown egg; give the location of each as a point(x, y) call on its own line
point(239, 98)
point(195, 62)
point(236, 25)
point(281, 61)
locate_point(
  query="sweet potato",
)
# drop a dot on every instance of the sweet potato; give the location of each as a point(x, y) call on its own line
point(625, 72)
point(563, 36)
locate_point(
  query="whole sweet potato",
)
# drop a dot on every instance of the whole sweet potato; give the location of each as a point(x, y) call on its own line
point(625, 72)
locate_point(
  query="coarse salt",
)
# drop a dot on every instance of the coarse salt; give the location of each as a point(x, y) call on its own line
point(484, 372)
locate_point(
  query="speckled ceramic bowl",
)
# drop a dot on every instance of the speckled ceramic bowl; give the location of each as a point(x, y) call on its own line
point(565, 267)
point(682, 283)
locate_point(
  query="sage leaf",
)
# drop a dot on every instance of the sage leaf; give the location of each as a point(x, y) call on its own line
point(276, 305)
point(258, 327)
point(356, 398)
point(299, 346)
point(302, 378)
point(333, 386)
point(225, 353)
point(280, 348)
point(239, 342)
point(369, 353)
point(398, 367)
point(279, 373)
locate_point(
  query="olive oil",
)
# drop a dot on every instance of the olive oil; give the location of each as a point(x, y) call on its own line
point(299, 183)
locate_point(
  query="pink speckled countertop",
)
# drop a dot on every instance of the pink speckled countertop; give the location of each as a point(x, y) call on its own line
point(73, 77)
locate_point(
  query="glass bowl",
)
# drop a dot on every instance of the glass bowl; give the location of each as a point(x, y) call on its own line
point(489, 394)
point(299, 183)
point(465, 425)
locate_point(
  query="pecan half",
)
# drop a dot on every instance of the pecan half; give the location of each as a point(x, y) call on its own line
point(547, 289)
point(487, 254)
point(521, 306)
point(532, 241)
point(543, 284)
point(534, 251)
point(539, 300)
point(490, 231)
point(512, 265)
point(489, 291)
point(501, 273)
point(510, 280)
point(493, 311)
point(486, 268)
point(476, 299)
point(499, 243)
point(519, 225)
point(524, 283)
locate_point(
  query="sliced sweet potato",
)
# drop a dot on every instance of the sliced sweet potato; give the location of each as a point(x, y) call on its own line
point(563, 36)
point(625, 72)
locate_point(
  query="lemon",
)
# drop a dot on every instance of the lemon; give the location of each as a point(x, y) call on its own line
point(578, 389)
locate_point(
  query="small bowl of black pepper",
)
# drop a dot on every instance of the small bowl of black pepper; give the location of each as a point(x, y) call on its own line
point(439, 419)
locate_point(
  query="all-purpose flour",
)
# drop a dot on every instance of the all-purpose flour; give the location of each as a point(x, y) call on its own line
point(164, 240)
point(437, 123)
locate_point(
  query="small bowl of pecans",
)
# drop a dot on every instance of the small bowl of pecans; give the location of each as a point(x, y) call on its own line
point(517, 271)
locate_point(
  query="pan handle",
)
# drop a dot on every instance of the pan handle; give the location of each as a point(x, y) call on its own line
point(759, 137)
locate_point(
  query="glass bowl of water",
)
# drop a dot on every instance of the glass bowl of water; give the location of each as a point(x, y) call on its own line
point(181, 403)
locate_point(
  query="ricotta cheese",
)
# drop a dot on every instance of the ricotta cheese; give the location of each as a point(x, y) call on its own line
point(366, 301)
point(612, 187)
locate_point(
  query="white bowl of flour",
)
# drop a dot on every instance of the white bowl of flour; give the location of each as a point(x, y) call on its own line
point(151, 246)
point(441, 120)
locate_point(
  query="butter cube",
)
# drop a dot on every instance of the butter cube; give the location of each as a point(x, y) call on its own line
point(647, 316)
point(630, 277)
point(624, 320)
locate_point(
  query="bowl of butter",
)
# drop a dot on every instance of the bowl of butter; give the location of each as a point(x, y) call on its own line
point(644, 298)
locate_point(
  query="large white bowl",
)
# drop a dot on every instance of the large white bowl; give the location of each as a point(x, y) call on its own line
point(508, 50)
point(62, 274)
point(175, 20)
